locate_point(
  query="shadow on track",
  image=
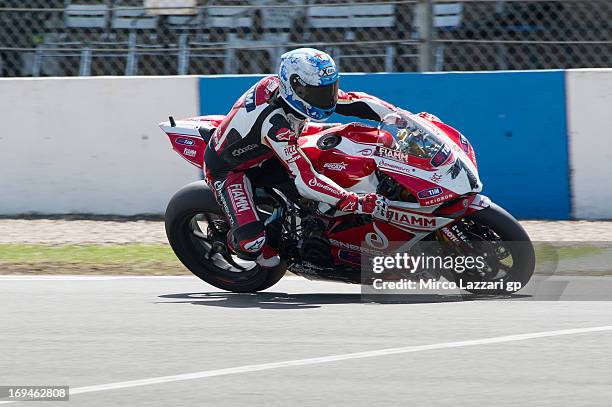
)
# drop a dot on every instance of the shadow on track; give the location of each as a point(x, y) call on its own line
point(276, 300)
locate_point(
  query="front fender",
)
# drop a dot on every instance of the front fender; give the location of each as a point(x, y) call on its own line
point(479, 203)
point(463, 206)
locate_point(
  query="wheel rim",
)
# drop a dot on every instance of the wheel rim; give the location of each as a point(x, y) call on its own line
point(499, 255)
point(206, 233)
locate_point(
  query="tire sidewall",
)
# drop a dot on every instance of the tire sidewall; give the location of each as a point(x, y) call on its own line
point(193, 199)
point(510, 231)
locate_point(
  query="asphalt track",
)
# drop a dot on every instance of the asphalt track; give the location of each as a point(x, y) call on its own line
point(178, 342)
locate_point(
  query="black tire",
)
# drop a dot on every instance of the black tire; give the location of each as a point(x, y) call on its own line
point(517, 242)
point(197, 198)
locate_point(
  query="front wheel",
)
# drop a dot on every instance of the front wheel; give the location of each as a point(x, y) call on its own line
point(508, 253)
point(197, 233)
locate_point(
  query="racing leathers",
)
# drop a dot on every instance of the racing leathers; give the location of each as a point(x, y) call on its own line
point(261, 127)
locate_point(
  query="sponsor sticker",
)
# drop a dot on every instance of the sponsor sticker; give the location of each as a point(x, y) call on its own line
point(305, 267)
point(226, 210)
point(366, 152)
point(255, 245)
point(284, 134)
point(437, 199)
point(239, 151)
point(185, 141)
point(410, 219)
point(291, 154)
point(377, 239)
point(335, 166)
point(315, 183)
point(392, 154)
point(429, 193)
point(190, 152)
point(395, 166)
point(238, 197)
point(249, 100)
point(327, 71)
point(454, 234)
point(350, 246)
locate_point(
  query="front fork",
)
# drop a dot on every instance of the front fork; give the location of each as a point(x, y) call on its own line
point(454, 232)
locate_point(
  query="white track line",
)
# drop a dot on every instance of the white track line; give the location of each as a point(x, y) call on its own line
point(329, 359)
point(77, 277)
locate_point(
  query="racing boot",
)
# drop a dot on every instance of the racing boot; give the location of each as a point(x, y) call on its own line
point(268, 257)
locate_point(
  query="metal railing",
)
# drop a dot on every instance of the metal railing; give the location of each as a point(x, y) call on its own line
point(168, 37)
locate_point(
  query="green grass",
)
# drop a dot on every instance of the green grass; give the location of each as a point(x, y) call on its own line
point(14, 253)
point(84, 259)
point(546, 252)
point(138, 259)
point(572, 252)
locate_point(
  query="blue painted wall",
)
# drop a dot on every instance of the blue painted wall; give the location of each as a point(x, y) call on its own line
point(515, 120)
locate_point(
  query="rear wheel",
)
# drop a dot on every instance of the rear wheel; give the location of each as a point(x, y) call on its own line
point(508, 253)
point(197, 232)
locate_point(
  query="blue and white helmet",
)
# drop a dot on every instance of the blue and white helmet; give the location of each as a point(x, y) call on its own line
point(309, 82)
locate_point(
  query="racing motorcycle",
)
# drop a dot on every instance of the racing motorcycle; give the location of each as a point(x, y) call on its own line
point(424, 167)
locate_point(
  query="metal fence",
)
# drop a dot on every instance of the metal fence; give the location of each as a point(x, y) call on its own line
point(168, 37)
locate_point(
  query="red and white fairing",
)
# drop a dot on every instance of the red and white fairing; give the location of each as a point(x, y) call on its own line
point(431, 181)
point(186, 139)
point(443, 186)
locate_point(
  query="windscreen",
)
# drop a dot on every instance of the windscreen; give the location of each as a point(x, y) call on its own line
point(410, 137)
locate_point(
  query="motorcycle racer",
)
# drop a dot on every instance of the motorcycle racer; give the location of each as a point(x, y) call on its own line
point(264, 124)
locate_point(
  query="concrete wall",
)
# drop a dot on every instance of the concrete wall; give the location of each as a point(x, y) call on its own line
point(91, 145)
point(589, 106)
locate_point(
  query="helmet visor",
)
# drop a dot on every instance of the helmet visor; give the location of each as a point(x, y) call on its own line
point(324, 97)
